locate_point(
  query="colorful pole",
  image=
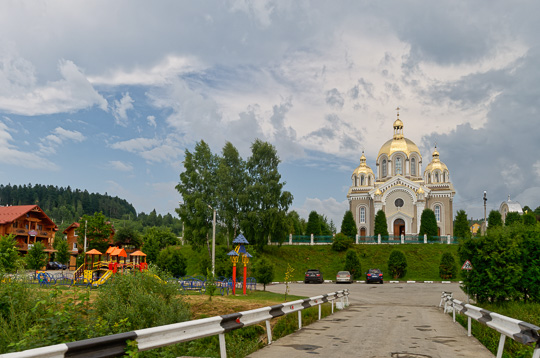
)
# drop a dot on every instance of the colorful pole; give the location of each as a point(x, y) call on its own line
point(234, 279)
point(245, 275)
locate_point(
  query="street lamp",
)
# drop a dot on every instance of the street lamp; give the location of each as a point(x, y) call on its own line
point(213, 242)
point(485, 201)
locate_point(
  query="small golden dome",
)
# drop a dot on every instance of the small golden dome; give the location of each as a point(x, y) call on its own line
point(398, 124)
point(363, 168)
point(398, 143)
point(420, 191)
point(378, 192)
point(436, 163)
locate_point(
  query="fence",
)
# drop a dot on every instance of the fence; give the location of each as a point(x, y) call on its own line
point(403, 239)
point(519, 331)
point(155, 337)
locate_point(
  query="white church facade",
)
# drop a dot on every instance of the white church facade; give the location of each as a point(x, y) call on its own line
point(400, 188)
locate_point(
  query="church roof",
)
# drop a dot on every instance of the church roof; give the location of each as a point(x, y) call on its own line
point(404, 145)
point(436, 163)
point(363, 168)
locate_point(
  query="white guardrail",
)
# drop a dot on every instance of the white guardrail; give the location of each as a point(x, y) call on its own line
point(519, 331)
point(155, 337)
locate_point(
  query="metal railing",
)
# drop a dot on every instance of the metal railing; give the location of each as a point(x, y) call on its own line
point(520, 331)
point(155, 337)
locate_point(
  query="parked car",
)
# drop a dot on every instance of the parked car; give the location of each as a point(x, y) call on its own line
point(344, 276)
point(313, 276)
point(51, 265)
point(60, 266)
point(374, 275)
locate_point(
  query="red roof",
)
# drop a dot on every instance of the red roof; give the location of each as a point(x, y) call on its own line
point(9, 214)
point(74, 225)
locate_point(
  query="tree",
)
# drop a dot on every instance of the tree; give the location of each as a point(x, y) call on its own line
point(381, 227)
point(232, 174)
point(295, 224)
point(9, 257)
point(98, 232)
point(127, 236)
point(494, 219)
point(313, 224)
point(352, 264)
point(397, 264)
point(428, 224)
point(265, 202)
point(461, 225)
point(198, 183)
point(513, 218)
point(155, 239)
point(264, 272)
point(36, 258)
point(325, 226)
point(348, 225)
point(529, 218)
point(447, 268)
point(171, 259)
point(62, 251)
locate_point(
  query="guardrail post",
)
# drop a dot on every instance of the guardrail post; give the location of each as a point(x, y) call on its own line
point(269, 331)
point(469, 326)
point(320, 312)
point(501, 346)
point(311, 239)
point(453, 313)
point(536, 353)
point(425, 238)
point(299, 319)
point(332, 306)
point(222, 346)
point(379, 239)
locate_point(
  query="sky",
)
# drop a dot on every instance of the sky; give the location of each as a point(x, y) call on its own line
point(108, 95)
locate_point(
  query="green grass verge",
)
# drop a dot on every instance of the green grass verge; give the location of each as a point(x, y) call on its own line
point(423, 260)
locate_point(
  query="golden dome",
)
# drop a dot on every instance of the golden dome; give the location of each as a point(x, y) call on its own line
point(363, 168)
point(404, 145)
point(420, 191)
point(398, 123)
point(378, 192)
point(436, 163)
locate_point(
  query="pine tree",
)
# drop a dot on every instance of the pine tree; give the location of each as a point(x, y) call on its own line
point(348, 226)
point(428, 223)
point(461, 225)
point(313, 225)
point(381, 227)
point(494, 219)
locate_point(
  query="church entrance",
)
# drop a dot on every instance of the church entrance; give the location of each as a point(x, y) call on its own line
point(399, 227)
point(363, 232)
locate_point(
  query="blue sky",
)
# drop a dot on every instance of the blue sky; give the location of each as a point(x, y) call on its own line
point(107, 95)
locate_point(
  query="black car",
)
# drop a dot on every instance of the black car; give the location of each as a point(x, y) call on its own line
point(374, 275)
point(60, 266)
point(51, 265)
point(313, 276)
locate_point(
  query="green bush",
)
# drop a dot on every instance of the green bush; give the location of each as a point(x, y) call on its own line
point(171, 259)
point(342, 243)
point(397, 264)
point(9, 257)
point(447, 268)
point(140, 299)
point(352, 264)
point(264, 272)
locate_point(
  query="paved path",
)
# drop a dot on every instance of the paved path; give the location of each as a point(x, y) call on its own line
point(390, 320)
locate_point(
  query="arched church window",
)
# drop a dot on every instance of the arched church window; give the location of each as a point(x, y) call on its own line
point(362, 215)
point(398, 166)
point(384, 168)
point(362, 180)
point(436, 177)
point(438, 213)
point(413, 166)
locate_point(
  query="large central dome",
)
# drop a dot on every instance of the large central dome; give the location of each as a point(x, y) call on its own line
point(398, 143)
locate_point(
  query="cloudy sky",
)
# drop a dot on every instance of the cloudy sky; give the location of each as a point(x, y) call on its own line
point(107, 95)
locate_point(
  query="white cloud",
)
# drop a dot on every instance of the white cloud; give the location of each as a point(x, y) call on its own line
point(60, 135)
point(20, 93)
point(120, 108)
point(136, 144)
point(121, 166)
point(151, 121)
point(75, 136)
point(166, 150)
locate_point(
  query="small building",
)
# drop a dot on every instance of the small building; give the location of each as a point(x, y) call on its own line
point(510, 206)
point(72, 235)
point(29, 224)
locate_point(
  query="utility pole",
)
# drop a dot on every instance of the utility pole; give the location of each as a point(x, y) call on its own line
point(85, 225)
point(213, 242)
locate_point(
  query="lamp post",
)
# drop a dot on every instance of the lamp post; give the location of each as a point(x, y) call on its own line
point(233, 255)
point(245, 260)
point(213, 242)
point(485, 218)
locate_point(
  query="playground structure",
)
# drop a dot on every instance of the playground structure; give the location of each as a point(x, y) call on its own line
point(96, 272)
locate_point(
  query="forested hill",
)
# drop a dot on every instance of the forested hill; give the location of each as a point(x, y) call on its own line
point(65, 204)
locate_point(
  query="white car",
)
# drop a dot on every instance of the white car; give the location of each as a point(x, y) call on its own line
point(344, 276)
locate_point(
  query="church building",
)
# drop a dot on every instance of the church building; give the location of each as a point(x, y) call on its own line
point(401, 189)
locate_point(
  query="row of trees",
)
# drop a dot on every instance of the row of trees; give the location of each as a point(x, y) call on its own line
point(247, 194)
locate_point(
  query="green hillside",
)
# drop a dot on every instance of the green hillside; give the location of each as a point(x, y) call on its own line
point(423, 260)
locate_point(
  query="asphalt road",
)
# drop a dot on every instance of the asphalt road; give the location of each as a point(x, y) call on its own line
point(391, 320)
